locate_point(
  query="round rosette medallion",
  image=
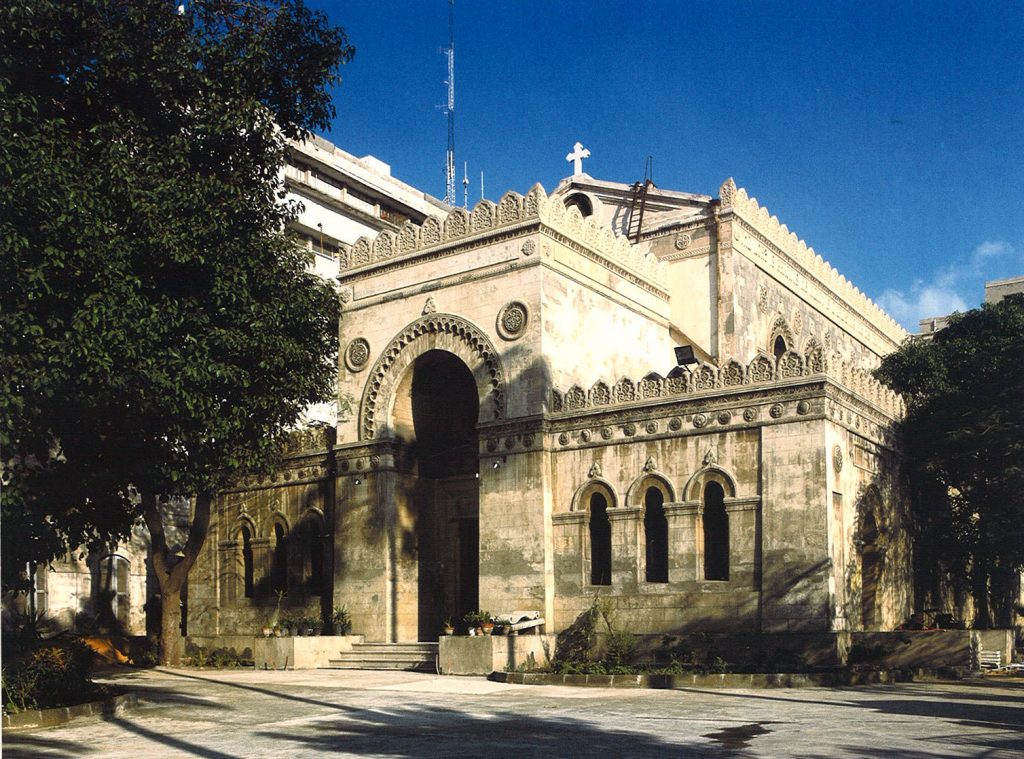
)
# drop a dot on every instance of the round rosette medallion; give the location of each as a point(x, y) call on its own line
point(512, 320)
point(357, 355)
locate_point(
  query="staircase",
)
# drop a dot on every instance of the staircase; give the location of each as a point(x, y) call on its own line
point(414, 657)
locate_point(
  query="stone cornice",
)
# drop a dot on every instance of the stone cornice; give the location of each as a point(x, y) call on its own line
point(512, 213)
point(770, 231)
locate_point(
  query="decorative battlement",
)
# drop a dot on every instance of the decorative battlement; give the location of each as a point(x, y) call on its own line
point(513, 209)
point(737, 199)
point(761, 371)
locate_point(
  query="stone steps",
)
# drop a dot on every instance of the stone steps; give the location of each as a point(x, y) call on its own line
point(418, 657)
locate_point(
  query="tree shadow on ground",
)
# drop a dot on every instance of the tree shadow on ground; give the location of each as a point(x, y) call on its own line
point(18, 744)
point(442, 732)
point(955, 707)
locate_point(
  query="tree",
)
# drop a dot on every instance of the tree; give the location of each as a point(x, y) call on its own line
point(964, 450)
point(159, 328)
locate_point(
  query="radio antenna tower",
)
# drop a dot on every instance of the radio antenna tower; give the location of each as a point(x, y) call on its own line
point(449, 196)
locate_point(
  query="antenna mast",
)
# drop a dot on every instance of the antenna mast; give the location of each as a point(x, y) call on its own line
point(449, 196)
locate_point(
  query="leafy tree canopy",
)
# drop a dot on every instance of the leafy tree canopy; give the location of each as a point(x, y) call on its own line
point(158, 326)
point(964, 441)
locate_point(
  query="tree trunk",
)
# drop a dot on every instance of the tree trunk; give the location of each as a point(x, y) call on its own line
point(172, 570)
point(170, 627)
point(980, 592)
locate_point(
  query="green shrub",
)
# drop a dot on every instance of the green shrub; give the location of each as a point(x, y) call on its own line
point(49, 675)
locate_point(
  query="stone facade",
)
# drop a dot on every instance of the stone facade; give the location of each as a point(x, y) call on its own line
point(522, 438)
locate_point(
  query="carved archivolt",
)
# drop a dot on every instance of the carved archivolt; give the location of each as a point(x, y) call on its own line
point(432, 331)
point(694, 489)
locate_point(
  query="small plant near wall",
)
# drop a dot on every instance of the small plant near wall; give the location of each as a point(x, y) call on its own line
point(341, 622)
point(448, 628)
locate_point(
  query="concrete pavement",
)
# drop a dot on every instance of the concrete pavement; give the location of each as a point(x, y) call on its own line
point(242, 713)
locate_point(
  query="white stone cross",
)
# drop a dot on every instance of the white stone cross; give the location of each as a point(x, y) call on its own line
point(576, 156)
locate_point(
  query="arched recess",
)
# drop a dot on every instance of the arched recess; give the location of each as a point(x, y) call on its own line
point(115, 589)
point(598, 499)
point(585, 202)
point(435, 409)
point(307, 552)
point(710, 487)
point(780, 338)
point(244, 567)
point(871, 547)
point(437, 331)
point(650, 492)
point(278, 569)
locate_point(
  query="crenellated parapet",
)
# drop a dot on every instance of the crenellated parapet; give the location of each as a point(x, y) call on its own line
point(511, 211)
point(706, 378)
point(737, 200)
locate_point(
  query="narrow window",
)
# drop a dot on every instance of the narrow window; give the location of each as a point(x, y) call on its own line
point(780, 347)
point(716, 533)
point(122, 601)
point(656, 535)
point(39, 579)
point(600, 541)
point(315, 548)
point(279, 565)
point(247, 565)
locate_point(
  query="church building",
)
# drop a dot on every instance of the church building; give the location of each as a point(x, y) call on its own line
point(657, 398)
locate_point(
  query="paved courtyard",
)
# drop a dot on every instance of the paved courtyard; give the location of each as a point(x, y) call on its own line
point(308, 713)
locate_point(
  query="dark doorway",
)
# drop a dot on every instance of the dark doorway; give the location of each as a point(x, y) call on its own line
point(435, 415)
point(870, 570)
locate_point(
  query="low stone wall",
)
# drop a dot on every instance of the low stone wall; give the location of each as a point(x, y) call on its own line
point(240, 644)
point(300, 651)
point(483, 654)
point(929, 648)
point(59, 715)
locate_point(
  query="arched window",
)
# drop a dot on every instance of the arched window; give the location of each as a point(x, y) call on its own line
point(582, 202)
point(115, 581)
point(716, 533)
point(245, 541)
point(600, 541)
point(313, 556)
point(779, 347)
point(279, 560)
point(656, 535)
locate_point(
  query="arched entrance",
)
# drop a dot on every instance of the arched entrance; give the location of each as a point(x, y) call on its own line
point(870, 572)
point(434, 420)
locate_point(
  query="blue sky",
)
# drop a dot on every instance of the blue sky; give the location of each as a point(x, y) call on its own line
point(889, 136)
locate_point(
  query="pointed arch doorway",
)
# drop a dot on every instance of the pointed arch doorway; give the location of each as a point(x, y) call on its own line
point(437, 567)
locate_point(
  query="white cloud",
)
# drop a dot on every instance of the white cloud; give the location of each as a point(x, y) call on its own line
point(957, 287)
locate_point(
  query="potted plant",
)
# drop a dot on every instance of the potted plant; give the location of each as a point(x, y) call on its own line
point(341, 622)
point(486, 622)
point(287, 625)
point(268, 629)
point(471, 621)
point(448, 628)
point(309, 625)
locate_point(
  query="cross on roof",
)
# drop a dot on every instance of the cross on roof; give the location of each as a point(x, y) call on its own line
point(576, 157)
